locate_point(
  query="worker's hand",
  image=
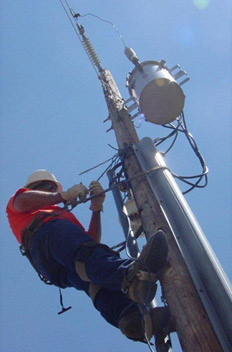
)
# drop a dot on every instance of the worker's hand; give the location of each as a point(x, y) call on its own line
point(97, 202)
point(74, 192)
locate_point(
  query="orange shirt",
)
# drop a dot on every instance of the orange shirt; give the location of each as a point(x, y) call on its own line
point(19, 221)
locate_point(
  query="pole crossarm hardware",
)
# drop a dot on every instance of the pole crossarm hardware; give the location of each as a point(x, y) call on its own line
point(195, 330)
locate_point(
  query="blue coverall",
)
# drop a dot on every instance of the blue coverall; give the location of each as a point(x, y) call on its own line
point(53, 250)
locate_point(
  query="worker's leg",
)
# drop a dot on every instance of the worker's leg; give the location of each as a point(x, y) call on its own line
point(54, 249)
point(118, 310)
point(123, 313)
point(59, 241)
point(64, 243)
point(156, 321)
point(113, 305)
point(137, 279)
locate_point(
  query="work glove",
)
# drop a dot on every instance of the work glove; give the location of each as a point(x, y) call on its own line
point(74, 192)
point(97, 202)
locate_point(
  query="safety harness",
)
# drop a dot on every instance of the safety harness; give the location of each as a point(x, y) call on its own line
point(27, 235)
point(81, 257)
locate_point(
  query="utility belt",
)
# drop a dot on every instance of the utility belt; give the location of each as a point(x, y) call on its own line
point(27, 235)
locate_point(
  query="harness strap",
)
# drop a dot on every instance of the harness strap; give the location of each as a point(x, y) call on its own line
point(27, 235)
point(148, 325)
point(81, 272)
point(145, 276)
point(86, 249)
point(84, 252)
point(93, 291)
point(141, 275)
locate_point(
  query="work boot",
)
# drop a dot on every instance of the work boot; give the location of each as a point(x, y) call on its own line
point(131, 325)
point(139, 284)
point(162, 324)
point(157, 322)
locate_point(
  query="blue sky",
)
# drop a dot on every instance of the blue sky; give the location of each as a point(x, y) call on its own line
point(52, 112)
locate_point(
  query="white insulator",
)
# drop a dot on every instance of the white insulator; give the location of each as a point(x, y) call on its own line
point(91, 52)
point(158, 95)
point(130, 209)
point(130, 54)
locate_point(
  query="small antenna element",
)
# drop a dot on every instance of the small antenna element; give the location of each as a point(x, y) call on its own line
point(131, 55)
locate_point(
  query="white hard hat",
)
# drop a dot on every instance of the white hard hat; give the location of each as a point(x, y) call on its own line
point(43, 175)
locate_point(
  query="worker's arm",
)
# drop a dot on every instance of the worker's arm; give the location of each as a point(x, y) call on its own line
point(96, 206)
point(32, 200)
point(37, 199)
point(95, 226)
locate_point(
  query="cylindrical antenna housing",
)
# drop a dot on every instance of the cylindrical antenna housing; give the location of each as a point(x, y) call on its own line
point(158, 95)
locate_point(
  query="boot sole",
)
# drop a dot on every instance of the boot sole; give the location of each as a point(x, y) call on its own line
point(154, 255)
point(152, 259)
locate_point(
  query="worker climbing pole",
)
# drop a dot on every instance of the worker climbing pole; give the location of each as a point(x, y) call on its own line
point(194, 286)
point(195, 291)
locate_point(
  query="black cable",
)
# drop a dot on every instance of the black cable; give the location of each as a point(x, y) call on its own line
point(109, 167)
point(173, 142)
point(104, 20)
point(182, 127)
point(194, 147)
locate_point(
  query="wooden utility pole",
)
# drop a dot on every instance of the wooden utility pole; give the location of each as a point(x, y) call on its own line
point(194, 329)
